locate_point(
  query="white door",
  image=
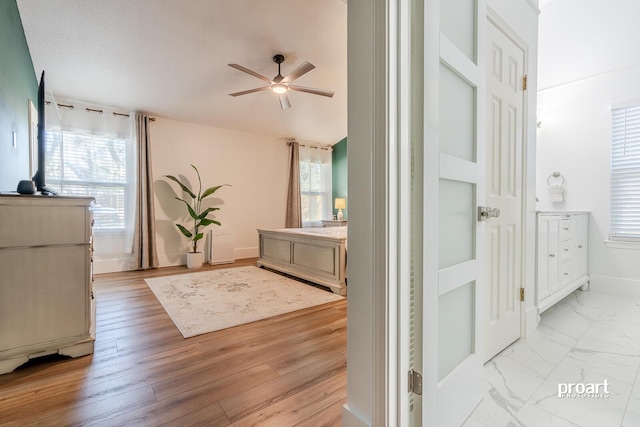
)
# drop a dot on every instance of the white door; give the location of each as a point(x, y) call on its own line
point(503, 190)
point(453, 185)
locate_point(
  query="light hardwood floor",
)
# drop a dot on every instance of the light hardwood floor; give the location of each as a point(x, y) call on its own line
point(289, 370)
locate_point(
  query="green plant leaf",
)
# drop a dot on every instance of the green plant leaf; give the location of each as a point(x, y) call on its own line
point(186, 232)
point(192, 213)
point(184, 187)
point(199, 181)
point(207, 211)
point(205, 221)
point(210, 191)
point(198, 237)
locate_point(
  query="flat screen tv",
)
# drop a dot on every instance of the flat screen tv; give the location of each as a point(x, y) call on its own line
point(39, 177)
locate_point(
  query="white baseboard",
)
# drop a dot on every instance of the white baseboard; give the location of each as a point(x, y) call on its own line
point(166, 260)
point(615, 285)
point(110, 265)
point(243, 253)
point(350, 419)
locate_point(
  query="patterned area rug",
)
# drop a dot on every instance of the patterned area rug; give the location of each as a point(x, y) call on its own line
point(218, 299)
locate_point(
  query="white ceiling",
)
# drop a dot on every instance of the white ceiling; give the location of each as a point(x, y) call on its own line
point(169, 58)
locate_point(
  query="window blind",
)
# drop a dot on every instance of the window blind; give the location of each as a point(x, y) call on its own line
point(88, 165)
point(315, 185)
point(625, 173)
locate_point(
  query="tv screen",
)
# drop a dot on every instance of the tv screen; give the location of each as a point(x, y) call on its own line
point(39, 177)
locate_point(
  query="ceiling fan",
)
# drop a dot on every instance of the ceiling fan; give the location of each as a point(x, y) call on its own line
point(281, 85)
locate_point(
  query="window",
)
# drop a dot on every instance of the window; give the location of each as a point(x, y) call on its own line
point(90, 151)
point(315, 185)
point(96, 166)
point(625, 173)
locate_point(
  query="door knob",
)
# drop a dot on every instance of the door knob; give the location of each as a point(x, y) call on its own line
point(485, 212)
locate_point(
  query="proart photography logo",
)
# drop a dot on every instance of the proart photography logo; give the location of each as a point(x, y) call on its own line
point(584, 390)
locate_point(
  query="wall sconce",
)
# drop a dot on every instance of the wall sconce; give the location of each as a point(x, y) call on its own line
point(341, 203)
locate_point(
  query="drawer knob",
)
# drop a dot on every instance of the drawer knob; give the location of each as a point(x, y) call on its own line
point(566, 274)
point(580, 246)
point(566, 229)
point(552, 255)
point(566, 249)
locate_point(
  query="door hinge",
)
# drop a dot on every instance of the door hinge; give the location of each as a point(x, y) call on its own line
point(415, 382)
point(524, 82)
point(522, 294)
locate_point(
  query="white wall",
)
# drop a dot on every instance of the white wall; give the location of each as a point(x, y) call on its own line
point(574, 111)
point(255, 165)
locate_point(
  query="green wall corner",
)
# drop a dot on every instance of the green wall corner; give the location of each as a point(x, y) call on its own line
point(339, 174)
point(18, 86)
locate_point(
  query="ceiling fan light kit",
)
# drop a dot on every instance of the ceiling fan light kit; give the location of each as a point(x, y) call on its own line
point(281, 85)
point(279, 88)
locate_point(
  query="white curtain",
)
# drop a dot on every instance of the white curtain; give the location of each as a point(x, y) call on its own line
point(315, 184)
point(90, 152)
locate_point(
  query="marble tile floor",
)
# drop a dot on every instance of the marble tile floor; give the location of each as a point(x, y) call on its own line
point(586, 338)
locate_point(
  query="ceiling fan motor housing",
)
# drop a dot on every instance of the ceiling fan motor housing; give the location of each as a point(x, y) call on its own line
point(278, 59)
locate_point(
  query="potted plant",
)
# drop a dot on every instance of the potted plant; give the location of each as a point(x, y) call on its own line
point(199, 216)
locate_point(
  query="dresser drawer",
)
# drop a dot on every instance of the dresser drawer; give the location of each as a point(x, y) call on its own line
point(43, 226)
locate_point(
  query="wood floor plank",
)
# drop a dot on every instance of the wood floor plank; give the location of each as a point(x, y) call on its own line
point(286, 370)
point(182, 405)
point(276, 390)
point(299, 407)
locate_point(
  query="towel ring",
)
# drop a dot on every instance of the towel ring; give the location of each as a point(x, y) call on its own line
point(555, 175)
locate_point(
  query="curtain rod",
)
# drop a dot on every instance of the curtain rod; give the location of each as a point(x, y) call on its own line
point(311, 146)
point(93, 110)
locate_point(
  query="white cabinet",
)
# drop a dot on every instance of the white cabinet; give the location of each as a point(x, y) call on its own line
point(46, 300)
point(561, 255)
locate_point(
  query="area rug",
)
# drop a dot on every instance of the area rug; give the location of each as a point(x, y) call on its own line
point(218, 299)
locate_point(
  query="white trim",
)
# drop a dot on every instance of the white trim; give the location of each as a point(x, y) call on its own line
point(534, 6)
point(457, 275)
point(368, 322)
point(451, 167)
point(430, 220)
point(622, 244)
point(615, 285)
point(110, 265)
point(457, 61)
point(351, 419)
point(625, 104)
point(242, 253)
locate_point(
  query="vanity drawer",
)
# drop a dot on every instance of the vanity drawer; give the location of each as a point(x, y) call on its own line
point(565, 229)
point(565, 249)
point(565, 272)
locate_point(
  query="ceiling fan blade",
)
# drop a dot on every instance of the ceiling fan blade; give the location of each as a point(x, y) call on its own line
point(326, 93)
point(302, 69)
point(244, 92)
point(284, 101)
point(248, 71)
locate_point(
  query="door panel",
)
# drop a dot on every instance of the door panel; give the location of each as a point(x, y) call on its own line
point(504, 190)
point(457, 240)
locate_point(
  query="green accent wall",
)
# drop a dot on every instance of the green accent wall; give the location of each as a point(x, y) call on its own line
point(18, 85)
point(339, 174)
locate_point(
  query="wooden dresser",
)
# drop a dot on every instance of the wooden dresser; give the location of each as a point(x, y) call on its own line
point(46, 299)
